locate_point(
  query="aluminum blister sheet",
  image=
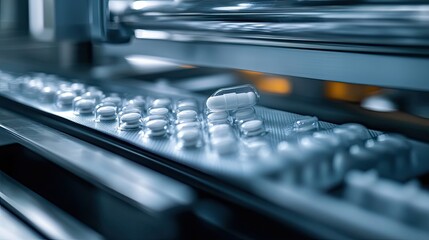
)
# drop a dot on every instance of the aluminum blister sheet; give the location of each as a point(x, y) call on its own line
point(278, 125)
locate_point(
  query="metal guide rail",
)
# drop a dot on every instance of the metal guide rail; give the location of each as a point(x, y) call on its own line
point(400, 25)
point(285, 158)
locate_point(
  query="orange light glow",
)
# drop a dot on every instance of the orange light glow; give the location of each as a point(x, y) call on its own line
point(187, 66)
point(253, 73)
point(273, 84)
point(268, 83)
point(348, 92)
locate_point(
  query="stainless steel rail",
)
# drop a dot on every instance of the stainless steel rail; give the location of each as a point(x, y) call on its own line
point(12, 228)
point(52, 222)
point(104, 184)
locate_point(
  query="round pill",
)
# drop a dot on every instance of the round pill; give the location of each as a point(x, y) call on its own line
point(129, 126)
point(314, 142)
point(398, 141)
point(84, 105)
point(33, 87)
point(156, 125)
point(97, 94)
point(161, 102)
point(348, 137)
point(48, 90)
point(250, 126)
point(66, 97)
point(216, 116)
point(115, 100)
point(78, 88)
point(130, 109)
point(158, 111)
point(106, 110)
point(360, 130)
point(138, 101)
point(185, 125)
point(158, 133)
point(189, 135)
point(187, 114)
point(188, 104)
point(333, 140)
point(244, 113)
point(224, 145)
point(130, 117)
point(65, 87)
point(222, 130)
point(47, 94)
point(93, 89)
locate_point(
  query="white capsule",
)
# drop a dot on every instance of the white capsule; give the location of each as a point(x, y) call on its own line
point(158, 111)
point(231, 101)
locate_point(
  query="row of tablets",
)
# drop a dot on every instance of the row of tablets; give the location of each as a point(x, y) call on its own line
point(405, 202)
point(321, 159)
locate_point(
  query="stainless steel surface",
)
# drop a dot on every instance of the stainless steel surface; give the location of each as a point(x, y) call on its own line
point(406, 72)
point(150, 191)
point(338, 214)
point(381, 44)
point(5, 139)
point(378, 24)
point(42, 215)
point(13, 228)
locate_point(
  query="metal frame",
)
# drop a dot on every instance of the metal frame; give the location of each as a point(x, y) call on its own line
point(394, 71)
